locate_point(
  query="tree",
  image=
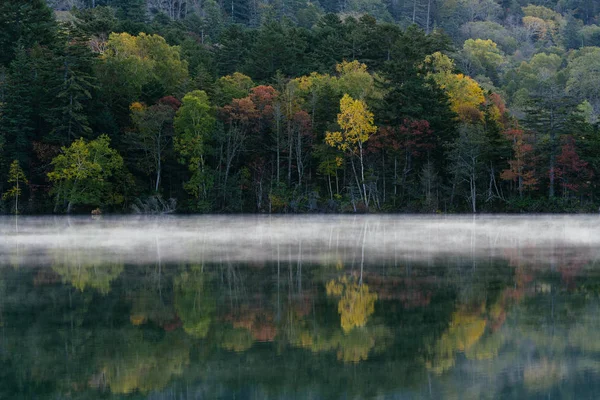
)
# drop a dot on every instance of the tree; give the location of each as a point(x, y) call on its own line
point(520, 169)
point(240, 118)
point(18, 178)
point(73, 95)
point(482, 57)
point(466, 156)
point(279, 46)
point(18, 109)
point(548, 109)
point(132, 10)
point(134, 68)
point(194, 124)
point(354, 79)
point(234, 86)
point(465, 95)
point(153, 134)
point(572, 172)
point(82, 174)
point(584, 74)
point(356, 123)
point(24, 23)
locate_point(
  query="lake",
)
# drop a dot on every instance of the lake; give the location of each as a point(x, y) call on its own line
point(307, 307)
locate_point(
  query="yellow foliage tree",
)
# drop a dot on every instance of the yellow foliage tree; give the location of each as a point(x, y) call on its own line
point(356, 123)
point(464, 93)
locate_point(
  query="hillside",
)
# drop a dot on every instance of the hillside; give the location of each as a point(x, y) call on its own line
point(297, 106)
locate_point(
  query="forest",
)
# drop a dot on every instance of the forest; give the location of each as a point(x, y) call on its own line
point(294, 106)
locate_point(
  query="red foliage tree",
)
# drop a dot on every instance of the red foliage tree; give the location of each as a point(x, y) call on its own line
point(572, 172)
point(520, 168)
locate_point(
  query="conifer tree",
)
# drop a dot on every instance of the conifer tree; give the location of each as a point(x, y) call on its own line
point(24, 23)
point(74, 90)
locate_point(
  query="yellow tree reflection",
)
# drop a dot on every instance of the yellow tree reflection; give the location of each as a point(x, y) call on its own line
point(142, 366)
point(466, 328)
point(356, 303)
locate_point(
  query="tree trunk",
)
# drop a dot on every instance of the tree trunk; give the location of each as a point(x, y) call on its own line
point(17, 197)
point(473, 185)
point(362, 175)
point(358, 186)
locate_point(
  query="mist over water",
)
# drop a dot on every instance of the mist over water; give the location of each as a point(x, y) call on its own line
point(312, 238)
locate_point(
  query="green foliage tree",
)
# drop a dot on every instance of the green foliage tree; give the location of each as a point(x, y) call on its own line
point(134, 68)
point(81, 174)
point(584, 72)
point(482, 57)
point(194, 125)
point(153, 134)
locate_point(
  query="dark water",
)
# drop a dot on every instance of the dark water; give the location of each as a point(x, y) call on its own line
point(288, 308)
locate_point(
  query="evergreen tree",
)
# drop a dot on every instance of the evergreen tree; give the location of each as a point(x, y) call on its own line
point(132, 10)
point(235, 43)
point(24, 23)
point(571, 33)
point(69, 115)
point(552, 115)
point(17, 120)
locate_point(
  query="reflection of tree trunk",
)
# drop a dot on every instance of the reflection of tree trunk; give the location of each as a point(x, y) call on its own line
point(299, 272)
point(278, 283)
point(159, 260)
point(383, 174)
point(362, 258)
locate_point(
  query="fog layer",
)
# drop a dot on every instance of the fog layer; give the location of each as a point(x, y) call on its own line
point(27, 240)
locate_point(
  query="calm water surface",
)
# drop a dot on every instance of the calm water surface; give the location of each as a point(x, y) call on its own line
point(300, 308)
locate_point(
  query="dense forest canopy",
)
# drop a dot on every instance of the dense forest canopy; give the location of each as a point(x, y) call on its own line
point(298, 106)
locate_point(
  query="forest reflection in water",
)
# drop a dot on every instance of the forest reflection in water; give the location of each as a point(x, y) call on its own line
point(327, 321)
